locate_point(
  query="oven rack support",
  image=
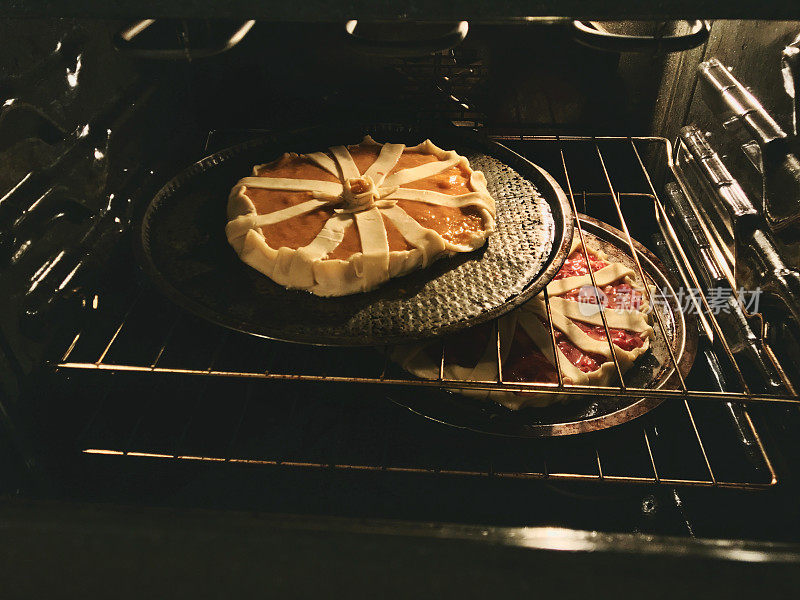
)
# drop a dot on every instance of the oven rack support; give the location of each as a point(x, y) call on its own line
point(317, 368)
point(686, 272)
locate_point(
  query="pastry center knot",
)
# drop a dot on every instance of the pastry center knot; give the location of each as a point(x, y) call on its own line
point(360, 193)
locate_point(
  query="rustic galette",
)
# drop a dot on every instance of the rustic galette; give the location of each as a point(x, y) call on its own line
point(349, 219)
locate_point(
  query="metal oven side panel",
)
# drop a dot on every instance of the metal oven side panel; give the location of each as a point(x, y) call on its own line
point(752, 51)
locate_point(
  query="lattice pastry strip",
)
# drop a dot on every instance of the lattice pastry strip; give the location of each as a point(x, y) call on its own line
point(366, 201)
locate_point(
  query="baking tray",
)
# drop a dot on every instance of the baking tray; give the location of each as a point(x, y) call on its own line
point(582, 414)
point(181, 245)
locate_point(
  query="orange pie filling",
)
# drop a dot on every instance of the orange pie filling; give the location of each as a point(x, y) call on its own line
point(456, 225)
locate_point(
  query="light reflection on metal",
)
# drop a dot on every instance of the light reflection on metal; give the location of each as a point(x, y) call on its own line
point(74, 340)
point(42, 272)
point(20, 183)
point(69, 277)
point(239, 35)
point(72, 74)
point(132, 32)
point(23, 247)
point(545, 20)
point(37, 202)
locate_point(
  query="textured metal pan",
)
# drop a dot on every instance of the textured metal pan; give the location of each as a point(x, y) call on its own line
point(654, 369)
point(182, 247)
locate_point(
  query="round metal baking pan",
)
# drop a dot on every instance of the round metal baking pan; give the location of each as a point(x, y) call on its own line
point(181, 246)
point(583, 414)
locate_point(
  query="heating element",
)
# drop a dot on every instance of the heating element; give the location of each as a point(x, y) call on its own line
point(701, 435)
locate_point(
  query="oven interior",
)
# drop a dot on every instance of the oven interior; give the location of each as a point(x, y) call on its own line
point(111, 393)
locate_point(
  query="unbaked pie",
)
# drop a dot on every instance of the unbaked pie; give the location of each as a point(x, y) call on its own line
point(349, 219)
point(526, 344)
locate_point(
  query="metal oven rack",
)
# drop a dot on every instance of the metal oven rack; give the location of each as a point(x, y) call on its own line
point(445, 84)
point(143, 338)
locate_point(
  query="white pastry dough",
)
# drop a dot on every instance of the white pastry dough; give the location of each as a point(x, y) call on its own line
point(530, 316)
point(362, 200)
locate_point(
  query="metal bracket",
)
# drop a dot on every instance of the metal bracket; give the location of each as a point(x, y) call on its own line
point(751, 245)
point(780, 165)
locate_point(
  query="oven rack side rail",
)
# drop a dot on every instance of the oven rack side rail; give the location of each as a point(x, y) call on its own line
point(687, 275)
point(598, 477)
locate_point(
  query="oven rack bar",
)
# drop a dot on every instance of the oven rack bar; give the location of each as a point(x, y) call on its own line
point(451, 384)
point(583, 477)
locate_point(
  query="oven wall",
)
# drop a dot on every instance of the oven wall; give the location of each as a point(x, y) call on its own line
point(84, 132)
point(752, 50)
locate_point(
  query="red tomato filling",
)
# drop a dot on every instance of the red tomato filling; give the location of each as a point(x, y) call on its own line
point(576, 265)
point(525, 362)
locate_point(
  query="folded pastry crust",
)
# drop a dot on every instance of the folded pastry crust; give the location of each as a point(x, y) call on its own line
point(629, 322)
point(391, 240)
